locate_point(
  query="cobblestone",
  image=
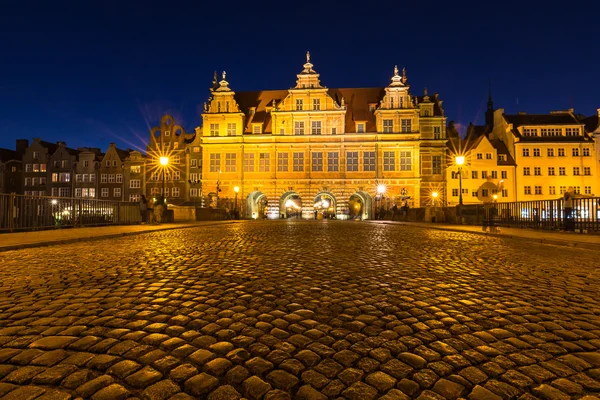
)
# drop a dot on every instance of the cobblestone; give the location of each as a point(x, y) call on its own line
point(346, 310)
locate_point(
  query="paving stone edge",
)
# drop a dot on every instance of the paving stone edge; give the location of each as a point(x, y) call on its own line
point(107, 236)
point(558, 242)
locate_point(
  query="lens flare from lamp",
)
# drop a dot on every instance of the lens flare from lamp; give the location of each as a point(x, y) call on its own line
point(289, 203)
point(325, 204)
point(495, 197)
point(381, 188)
point(236, 189)
point(435, 195)
point(164, 161)
point(460, 160)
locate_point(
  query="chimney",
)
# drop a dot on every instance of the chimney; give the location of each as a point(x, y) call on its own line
point(521, 113)
point(571, 110)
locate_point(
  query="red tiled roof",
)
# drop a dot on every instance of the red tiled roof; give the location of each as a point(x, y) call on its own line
point(542, 119)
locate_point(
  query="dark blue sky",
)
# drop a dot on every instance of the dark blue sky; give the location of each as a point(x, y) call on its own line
point(94, 72)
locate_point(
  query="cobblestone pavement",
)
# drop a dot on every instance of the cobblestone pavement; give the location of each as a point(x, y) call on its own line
point(304, 310)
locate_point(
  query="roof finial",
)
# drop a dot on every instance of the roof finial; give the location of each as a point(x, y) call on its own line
point(308, 56)
point(224, 75)
point(404, 74)
point(425, 92)
point(395, 70)
point(215, 77)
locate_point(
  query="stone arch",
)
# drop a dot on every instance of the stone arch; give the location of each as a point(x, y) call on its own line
point(290, 205)
point(327, 210)
point(366, 211)
point(256, 205)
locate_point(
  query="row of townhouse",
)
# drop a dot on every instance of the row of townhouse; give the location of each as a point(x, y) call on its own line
point(521, 157)
point(53, 169)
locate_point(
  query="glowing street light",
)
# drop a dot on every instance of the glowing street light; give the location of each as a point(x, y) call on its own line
point(164, 161)
point(435, 196)
point(459, 161)
point(381, 188)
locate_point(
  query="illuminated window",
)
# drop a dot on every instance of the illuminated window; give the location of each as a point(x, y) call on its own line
point(360, 128)
point(282, 162)
point(368, 161)
point(316, 127)
point(333, 161)
point(214, 129)
point(264, 162)
point(388, 126)
point(215, 162)
point(231, 129)
point(298, 162)
point(316, 104)
point(389, 161)
point(551, 171)
point(299, 128)
point(406, 125)
point(436, 165)
point(527, 189)
point(299, 104)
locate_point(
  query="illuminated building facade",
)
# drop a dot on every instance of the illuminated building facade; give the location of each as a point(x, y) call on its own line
point(311, 151)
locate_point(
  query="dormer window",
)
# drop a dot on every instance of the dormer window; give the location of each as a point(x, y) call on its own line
point(372, 107)
point(299, 104)
point(501, 157)
point(426, 113)
point(360, 128)
point(167, 133)
point(256, 129)
point(316, 104)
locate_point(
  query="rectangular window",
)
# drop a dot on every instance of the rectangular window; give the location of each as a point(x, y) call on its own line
point(572, 131)
point(231, 129)
point(537, 171)
point(586, 151)
point(298, 162)
point(504, 175)
point(316, 104)
point(264, 162)
point(54, 177)
point(562, 171)
point(389, 161)
point(504, 192)
point(230, 162)
point(538, 190)
point(333, 161)
point(78, 192)
point(483, 174)
point(317, 161)
point(455, 192)
point(78, 178)
point(316, 127)
point(111, 178)
point(42, 167)
point(576, 171)
point(406, 125)
point(352, 161)
point(552, 190)
point(64, 192)
point(134, 197)
point(561, 152)
point(405, 161)
point(436, 165)
point(575, 151)
point(249, 162)
point(526, 171)
point(28, 182)
point(501, 157)
point(360, 128)
point(299, 128)
point(214, 129)
point(36, 155)
point(256, 129)
point(215, 162)
point(588, 190)
point(119, 178)
point(299, 104)
point(193, 163)
point(196, 149)
point(368, 161)
point(529, 132)
point(114, 163)
point(437, 132)
point(587, 171)
point(550, 171)
point(282, 162)
point(135, 183)
point(577, 189)
point(117, 192)
point(480, 156)
point(64, 164)
point(488, 156)
point(494, 174)
point(536, 152)
point(474, 193)
point(484, 193)
point(136, 169)
point(193, 192)
point(473, 174)
point(175, 159)
point(333, 130)
point(175, 192)
point(388, 126)
point(563, 189)
point(550, 152)
point(525, 152)
point(28, 167)
point(527, 189)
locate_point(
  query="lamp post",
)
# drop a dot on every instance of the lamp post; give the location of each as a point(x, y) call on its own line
point(164, 161)
point(434, 196)
point(459, 161)
point(236, 190)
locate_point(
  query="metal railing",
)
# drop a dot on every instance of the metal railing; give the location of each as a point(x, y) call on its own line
point(584, 216)
point(25, 213)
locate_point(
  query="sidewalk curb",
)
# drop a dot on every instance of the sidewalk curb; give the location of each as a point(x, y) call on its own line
point(108, 236)
point(557, 242)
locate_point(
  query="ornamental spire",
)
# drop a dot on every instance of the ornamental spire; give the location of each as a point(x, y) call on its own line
point(396, 79)
point(223, 84)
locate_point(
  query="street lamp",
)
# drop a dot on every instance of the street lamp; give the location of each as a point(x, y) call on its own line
point(236, 190)
point(459, 161)
point(164, 161)
point(435, 196)
point(380, 192)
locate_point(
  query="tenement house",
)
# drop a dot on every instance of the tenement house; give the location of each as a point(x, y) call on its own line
point(313, 150)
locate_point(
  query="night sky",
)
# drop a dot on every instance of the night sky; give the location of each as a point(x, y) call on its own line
point(95, 72)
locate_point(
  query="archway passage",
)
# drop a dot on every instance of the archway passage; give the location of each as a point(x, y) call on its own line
point(256, 205)
point(291, 206)
point(360, 206)
point(324, 207)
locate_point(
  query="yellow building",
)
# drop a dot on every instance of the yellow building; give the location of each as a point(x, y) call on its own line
point(552, 152)
point(488, 172)
point(311, 151)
